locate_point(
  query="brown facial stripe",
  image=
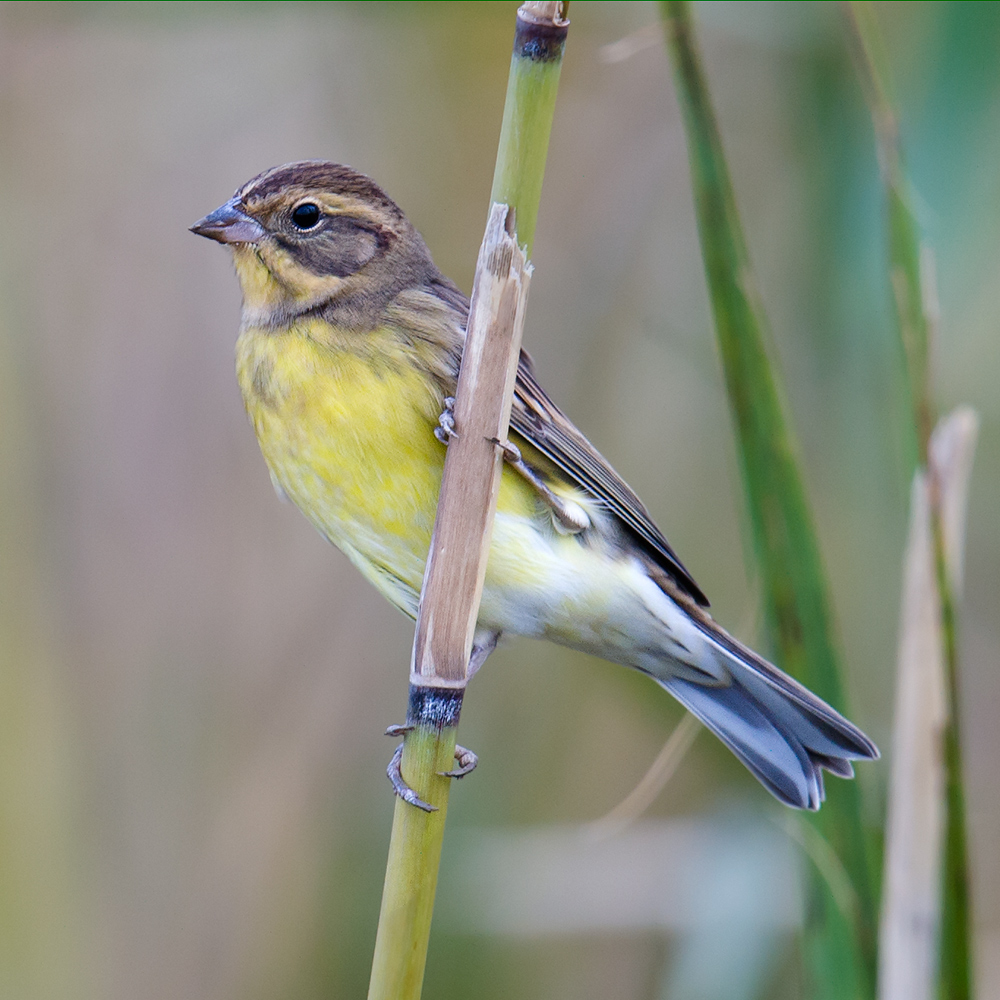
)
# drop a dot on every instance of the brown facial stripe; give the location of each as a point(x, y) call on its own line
point(339, 246)
point(318, 176)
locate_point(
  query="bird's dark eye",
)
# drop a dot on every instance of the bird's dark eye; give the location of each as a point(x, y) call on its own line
point(306, 216)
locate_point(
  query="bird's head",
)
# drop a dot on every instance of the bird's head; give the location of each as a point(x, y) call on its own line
point(311, 233)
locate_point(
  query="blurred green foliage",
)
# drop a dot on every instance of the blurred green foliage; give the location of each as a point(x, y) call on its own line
point(840, 943)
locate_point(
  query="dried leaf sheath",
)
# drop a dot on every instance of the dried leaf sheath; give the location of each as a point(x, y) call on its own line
point(911, 908)
point(456, 564)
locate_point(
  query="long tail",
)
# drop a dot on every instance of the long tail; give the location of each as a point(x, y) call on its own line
point(782, 732)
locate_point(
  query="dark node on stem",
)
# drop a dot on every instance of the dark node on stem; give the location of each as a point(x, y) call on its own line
point(538, 41)
point(433, 706)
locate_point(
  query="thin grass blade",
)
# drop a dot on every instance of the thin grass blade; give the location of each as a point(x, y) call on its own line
point(840, 945)
point(911, 272)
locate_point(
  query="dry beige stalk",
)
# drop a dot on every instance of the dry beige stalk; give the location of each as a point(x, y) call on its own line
point(456, 563)
point(912, 883)
point(544, 12)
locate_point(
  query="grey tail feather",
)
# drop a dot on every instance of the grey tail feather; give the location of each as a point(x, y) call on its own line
point(780, 730)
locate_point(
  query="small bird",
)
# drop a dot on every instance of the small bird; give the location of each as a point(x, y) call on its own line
point(348, 358)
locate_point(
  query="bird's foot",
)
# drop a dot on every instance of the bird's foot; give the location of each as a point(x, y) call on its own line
point(511, 454)
point(399, 730)
point(467, 762)
point(569, 517)
point(445, 430)
point(399, 786)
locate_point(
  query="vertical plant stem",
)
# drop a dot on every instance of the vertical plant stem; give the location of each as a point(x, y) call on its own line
point(404, 923)
point(915, 809)
point(913, 285)
point(449, 605)
point(841, 945)
point(955, 980)
point(906, 256)
point(456, 562)
point(955, 947)
point(535, 67)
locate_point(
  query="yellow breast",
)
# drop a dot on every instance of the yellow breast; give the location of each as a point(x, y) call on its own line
point(349, 437)
point(346, 427)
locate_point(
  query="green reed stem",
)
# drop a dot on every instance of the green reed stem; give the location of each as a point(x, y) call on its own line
point(955, 957)
point(913, 290)
point(527, 121)
point(840, 945)
point(404, 924)
point(415, 846)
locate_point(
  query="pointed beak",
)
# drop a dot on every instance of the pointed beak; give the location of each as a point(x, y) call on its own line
point(229, 224)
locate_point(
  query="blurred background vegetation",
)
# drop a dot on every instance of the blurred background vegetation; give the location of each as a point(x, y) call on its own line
point(193, 685)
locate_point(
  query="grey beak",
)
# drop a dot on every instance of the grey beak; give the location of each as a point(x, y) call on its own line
point(228, 224)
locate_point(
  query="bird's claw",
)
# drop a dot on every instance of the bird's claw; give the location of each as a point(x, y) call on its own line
point(511, 452)
point(399, 786)
point(467, 762)
point(445, 431)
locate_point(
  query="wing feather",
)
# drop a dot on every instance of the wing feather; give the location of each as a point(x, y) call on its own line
point(540, 422)
point(543, 425)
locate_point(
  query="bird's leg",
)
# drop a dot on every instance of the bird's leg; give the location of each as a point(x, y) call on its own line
point(482, 646)
point(569, 517)
point(445, 429)
point(399, 786)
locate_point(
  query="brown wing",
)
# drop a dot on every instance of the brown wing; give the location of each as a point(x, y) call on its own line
point(537, 419)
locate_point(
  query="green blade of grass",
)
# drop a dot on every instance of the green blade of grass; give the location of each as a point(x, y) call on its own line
point(840, 945)
point(903, 231)
point(914, 293)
